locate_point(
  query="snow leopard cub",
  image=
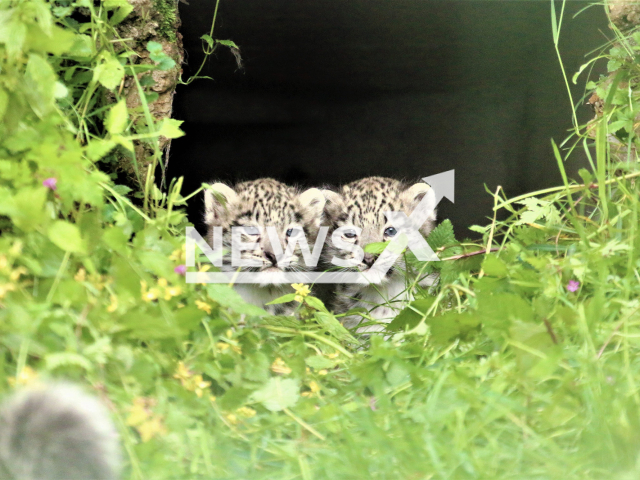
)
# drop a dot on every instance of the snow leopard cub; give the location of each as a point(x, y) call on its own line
point(362, 204)
point(254, 205)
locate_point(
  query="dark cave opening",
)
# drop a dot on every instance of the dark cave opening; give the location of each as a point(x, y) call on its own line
point(334, 91)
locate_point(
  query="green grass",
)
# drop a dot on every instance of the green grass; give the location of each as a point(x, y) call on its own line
point(499, 372)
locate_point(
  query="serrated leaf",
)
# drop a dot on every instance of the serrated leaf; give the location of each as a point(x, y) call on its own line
point(494, 267)
point(109, 73)
point(98, 148)
point(170, 128)
point(278, 394)
point(157, 54)
point(66, 359)
point(117, 118)
point(66, 236)
point(442, 235)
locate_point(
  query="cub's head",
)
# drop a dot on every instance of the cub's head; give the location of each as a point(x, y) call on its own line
point(250, 207)
point(358, 210)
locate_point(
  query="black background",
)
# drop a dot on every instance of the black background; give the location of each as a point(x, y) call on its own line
point(335, 90)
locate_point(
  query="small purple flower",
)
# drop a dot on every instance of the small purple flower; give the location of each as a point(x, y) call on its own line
point(181, 269)
point(573, 285)
point(50, 183)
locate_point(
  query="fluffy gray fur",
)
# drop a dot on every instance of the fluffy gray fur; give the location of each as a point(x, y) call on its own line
point(57, 432)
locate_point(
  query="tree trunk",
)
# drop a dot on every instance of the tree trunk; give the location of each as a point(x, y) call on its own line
point(158, 21)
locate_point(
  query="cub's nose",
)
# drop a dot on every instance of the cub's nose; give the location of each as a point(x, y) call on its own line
point(368, 259)
point(269, 255)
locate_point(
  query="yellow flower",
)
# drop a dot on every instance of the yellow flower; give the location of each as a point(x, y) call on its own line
point(278, 366)
point(4, 263)
point(179, 255)
point(172, 292)
point(81, 275)
point(151, 428)
point(324, 371)
point(27, 376)
point(231, 418)
point(151, 295)
point(7, 287)
point(246, 412)
point(222, 346)
point(162, 282)
point(15, 274)
point(198, 385)
point(203, 306)
point(314, 389)
point(182, 372)
point(138, 412)
point(113, 305)
point(301, 289)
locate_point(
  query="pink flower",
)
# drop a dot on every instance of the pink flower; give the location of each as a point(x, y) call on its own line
point(181, 269)
point(50, 183)
point(573, 285)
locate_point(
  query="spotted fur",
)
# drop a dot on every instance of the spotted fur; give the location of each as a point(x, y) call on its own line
point(362, 204)
point(254, 205)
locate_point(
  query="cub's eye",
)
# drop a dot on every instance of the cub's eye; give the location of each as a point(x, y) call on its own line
point(350, 234)
point(294, 232)
point(251, 231)
point(390, 231)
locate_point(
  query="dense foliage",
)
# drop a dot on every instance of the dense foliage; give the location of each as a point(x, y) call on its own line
point(520, 363)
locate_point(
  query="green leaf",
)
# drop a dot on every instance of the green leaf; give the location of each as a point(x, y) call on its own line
point(316, 303)
point(109, 73)
point(124, 8)
point(208, 39)
point(40, 82)
point(157, 54)
point(410, 316)
point(228, 43)
point(442, 235)
point(98, 148)
point(331, 324)
point(170, 128)
point(318, 362)
point(289, 297)
point(228, 297)
point(376, 248)
point(66, 236)
point(278, 394)
point(494, 267)
point(117, 118)
point(66, 359)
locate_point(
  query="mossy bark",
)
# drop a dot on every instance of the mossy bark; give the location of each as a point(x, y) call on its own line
point(158, 21)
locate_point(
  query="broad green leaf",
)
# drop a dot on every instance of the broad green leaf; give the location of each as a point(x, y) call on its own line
point(117, 118)
point(109, 73)
point(170, 128)
point(228, 297)
point(157, 54)
point(316, 303)
point(376, 248)
point(409, 317)
point(318, 362)
point(278, 394)
point(494, 266)
point(40, 82)
point(331, 324)
point(66, 236)
point(124, 8)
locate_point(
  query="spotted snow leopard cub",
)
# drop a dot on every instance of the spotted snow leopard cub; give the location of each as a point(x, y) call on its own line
point(254, 205)
point(361, 204)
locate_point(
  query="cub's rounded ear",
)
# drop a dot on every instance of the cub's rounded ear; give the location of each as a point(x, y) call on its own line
point(216, 199)
point(334, 206)
point(414, 195)
point(313, 201)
